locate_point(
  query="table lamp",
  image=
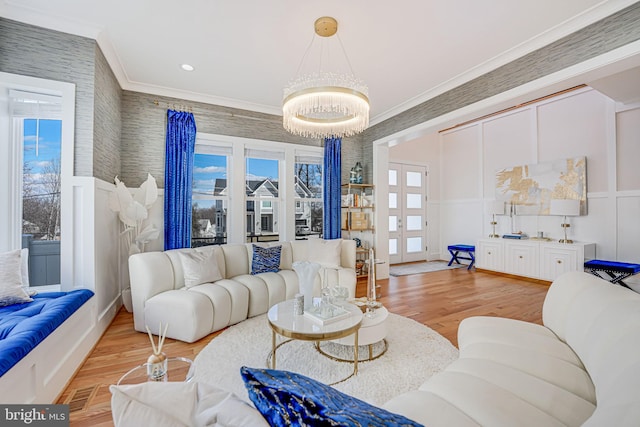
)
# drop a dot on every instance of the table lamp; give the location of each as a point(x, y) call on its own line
point(565, 207)
point(495, 208)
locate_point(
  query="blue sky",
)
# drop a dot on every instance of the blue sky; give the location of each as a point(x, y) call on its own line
point(48, 144)
point(208, 167)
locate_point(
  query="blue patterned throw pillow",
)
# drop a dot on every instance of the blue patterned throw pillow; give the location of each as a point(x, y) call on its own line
point(266, 260)
point(288, 399)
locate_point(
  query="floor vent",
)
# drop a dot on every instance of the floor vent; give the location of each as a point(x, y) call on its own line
point(80, 398)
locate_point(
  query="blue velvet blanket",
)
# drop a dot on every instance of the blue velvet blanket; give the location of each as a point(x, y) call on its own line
point(24, 326)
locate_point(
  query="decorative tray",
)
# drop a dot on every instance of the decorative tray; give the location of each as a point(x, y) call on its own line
point(331, 314)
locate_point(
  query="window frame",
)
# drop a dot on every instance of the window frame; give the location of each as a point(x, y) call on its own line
point(11, 193)
point(236, 228)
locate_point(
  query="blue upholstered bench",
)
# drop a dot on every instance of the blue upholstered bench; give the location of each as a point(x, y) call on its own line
point(455, 251)
point(617, 271)
point(24, 326)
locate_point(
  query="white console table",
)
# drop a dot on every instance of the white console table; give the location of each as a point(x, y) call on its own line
point(538, 259)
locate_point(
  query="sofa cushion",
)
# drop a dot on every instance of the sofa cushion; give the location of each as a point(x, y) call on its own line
point(429, 409)
point(188, 313)
point(199, 267)
point(11, 291)
point(327, 253)
point(179, 404)
point(211, 252)
point(266, 260)
point(528, 336)
point(285, 398)
point(557, 402)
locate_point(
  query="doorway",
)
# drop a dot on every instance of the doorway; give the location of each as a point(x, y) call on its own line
point(407, 213)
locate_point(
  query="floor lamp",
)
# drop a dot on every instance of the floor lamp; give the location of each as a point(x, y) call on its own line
point(565, 207)
point(495, 208)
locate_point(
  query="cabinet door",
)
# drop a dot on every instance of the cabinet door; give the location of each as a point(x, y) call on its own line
point(522, 259)
point(556, 260)
point(489, 255)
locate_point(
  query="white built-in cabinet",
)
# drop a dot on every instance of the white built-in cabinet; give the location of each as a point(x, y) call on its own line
point(537, 259)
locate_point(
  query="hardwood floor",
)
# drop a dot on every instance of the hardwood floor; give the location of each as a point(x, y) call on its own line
point(439, 300)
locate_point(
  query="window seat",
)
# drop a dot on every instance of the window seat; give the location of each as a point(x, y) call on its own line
point(24, 329)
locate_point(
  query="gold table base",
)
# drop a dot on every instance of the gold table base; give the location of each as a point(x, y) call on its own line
point(385, 347)
point(271, 357)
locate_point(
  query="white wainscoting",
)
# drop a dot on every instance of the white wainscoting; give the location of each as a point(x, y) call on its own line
point(580, 123)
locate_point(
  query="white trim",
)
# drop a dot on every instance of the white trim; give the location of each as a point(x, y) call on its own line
point(236, 179)
point(67, 92)
point(569, 26)
point(617, 60)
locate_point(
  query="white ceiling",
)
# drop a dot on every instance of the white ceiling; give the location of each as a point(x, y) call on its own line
point(244, 52)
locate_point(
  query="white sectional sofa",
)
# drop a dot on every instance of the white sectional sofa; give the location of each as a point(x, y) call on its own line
point(159, 293)
point(581, 368)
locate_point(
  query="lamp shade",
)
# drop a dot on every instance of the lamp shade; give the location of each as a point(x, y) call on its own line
point(496, 208)
point(567, 207)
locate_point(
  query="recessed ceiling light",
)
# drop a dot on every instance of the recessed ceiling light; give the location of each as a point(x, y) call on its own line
point(187, 67)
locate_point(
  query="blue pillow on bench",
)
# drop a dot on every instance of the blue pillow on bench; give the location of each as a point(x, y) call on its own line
point(288, 399)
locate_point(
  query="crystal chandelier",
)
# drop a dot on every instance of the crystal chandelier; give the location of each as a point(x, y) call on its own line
point(324, 104)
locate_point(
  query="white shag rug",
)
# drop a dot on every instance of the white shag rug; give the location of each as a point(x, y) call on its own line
point(415, 352)
point(422, 267)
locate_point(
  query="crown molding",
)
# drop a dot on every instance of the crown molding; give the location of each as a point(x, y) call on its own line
point(201, 97)
point(569, 26)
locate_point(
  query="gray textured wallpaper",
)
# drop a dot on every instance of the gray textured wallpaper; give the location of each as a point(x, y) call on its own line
point(38, 52)
point(107, 125)
point(144, 129)
point(128, 139)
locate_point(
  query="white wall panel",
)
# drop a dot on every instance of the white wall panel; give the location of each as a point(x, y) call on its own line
point(507, 141)
point(576, 126)
point(598, 226)
point(461, 223)
point(628, 150)
point(629, 229)
point(461, 155)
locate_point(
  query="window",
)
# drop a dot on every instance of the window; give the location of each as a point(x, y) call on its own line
point(308, 193)
point(210, 196)
point(269, 190)
point(36, 120)
point(262, 191)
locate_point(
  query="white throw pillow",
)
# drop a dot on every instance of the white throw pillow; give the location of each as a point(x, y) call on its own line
point(199, 267)
point(327, 253)
point(24, 253)
point(180, 404)
point(11, 291)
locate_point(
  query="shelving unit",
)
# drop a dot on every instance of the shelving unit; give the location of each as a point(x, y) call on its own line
point(357, 220)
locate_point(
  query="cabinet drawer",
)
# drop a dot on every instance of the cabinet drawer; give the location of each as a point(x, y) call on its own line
point(555, 261)
point(522, 259)
point(489, 256)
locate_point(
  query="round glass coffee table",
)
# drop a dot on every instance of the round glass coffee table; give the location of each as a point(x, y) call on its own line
point(284, 322)
point(178, 369)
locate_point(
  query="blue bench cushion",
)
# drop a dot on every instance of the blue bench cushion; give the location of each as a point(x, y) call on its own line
point(24, 326)
point(462, 248)
point(623, 267)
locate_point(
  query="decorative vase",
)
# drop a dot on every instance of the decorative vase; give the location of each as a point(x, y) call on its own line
point(358, 170)
point(307, 272)
point(157, 367)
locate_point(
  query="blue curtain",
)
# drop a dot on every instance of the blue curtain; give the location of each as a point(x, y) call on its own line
point(332, 182)
point(178, 174)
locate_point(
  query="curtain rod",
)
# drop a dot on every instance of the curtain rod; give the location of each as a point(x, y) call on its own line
point(515, 107)
point(183, 107)
point(176, 107)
